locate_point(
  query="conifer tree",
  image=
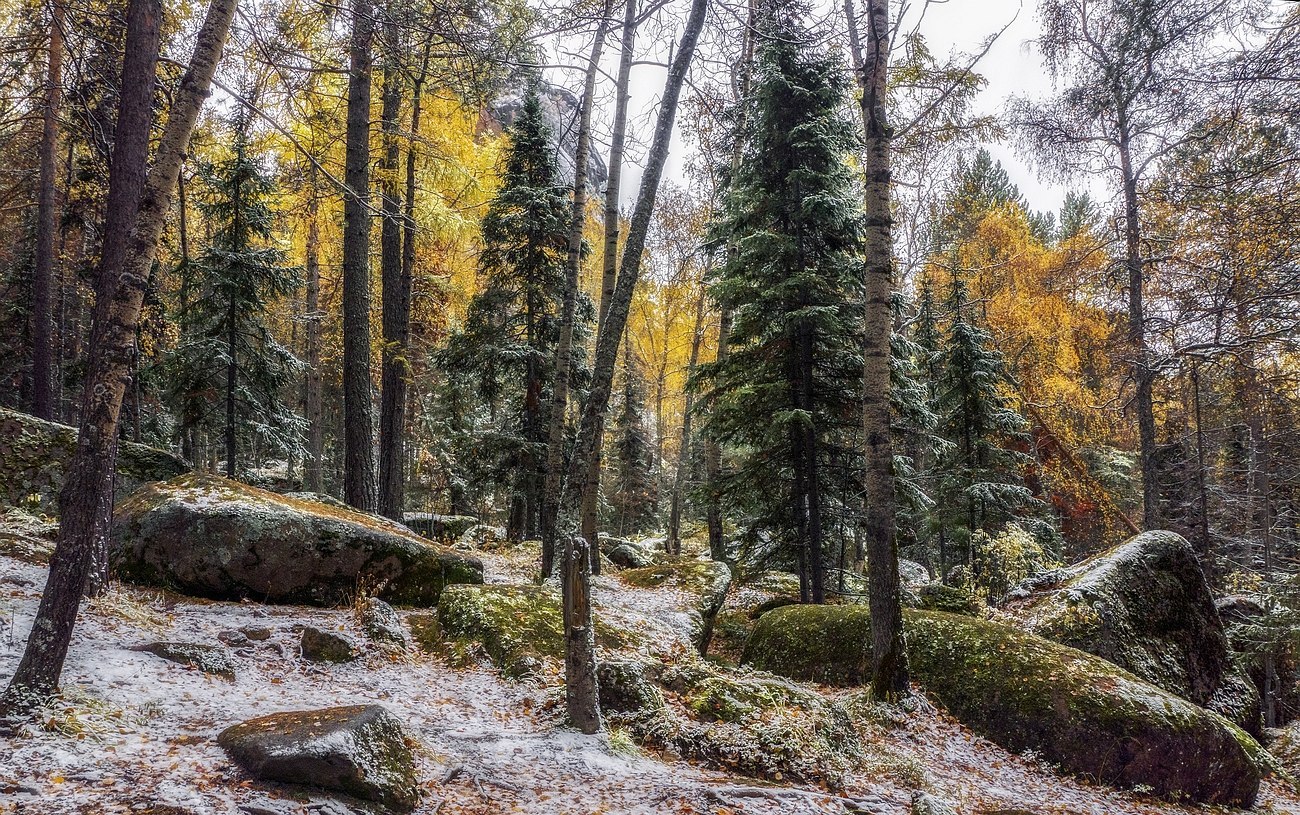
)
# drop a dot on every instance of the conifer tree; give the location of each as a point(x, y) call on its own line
point(980, 473)
point(633, 497)
point(787, 395)
point(229, 371)
point(506, 351)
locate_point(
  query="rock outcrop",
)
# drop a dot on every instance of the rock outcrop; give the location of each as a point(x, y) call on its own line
point(33, 453)
point(1146, 607)
point(1024, 692)
point(360, 750)
point(211, 537)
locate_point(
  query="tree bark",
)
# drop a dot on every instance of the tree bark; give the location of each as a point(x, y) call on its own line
point(359, 485)
point(889, 674)
point(314, 385)
point(609, 276)
point(396, 299)
point(47, 206)
point(684, 449)
point(592, 424)
point(86, 499)
point(581, 690)
point(564, 349)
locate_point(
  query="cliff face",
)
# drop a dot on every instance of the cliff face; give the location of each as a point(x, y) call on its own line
point(561, 108)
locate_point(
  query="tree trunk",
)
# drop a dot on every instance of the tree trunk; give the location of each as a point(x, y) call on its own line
point(684, 450)
point(581, 690)
point(47, 219)
point(1143, 372)
point(889, 662)
point(564, 349)
point(359, 486)
point(609, 276)
point(592, 423)
point(232, 381)
point(86, 499)
point(396, 300)
point(314, 385)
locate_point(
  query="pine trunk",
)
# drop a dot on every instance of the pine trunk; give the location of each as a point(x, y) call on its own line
point(564, 349)
point(396, 300)
point(87, 496)
point(889, 662)
point(312, 464)
point(47, 206)
point(359, 486)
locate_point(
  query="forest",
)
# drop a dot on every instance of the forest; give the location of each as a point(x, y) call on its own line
point(649, 406)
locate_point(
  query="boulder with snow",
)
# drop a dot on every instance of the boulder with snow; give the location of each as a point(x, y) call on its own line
point(1145, 606)
point(441, 528)
point(212, 537)
point(1024, 692)
point(360, 750)
point(34, 453)
point(382, 624)
point(317, 645)
point(210, 659)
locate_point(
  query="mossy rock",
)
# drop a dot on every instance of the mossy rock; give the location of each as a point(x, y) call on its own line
point(938, 597)
point(758, 725)
point(516, 627)
point(34, 453)
point(211, 537)
point(1145, 606)
point(1024, 692)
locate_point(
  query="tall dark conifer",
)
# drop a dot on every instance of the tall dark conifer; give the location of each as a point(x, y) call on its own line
point(787, 396)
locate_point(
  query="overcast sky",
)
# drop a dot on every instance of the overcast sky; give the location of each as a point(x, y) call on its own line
point(1012, 67)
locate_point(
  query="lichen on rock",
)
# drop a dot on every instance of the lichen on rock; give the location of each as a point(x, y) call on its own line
point(216, 538)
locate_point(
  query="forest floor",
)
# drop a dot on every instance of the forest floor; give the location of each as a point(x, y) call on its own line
point(134, 733)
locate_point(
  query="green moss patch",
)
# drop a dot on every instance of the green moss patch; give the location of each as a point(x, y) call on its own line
point(1027, 693)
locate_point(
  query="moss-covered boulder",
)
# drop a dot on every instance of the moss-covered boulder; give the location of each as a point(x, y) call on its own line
point(1024, 692)
point(360, 750)
point(520, 629)
point(1145, 606)
point(211, 537)
point(441, 528)
point(34, 452)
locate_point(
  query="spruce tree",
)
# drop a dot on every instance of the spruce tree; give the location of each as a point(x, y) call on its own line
point(981, 469)
point(787, 396)
point(228, 371)
point(505, 354)
point(633, 497)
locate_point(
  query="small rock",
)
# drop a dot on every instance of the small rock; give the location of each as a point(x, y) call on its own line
point(233, 638)
point(210, 659)
point(629, 556)
point(625, 687)
point(256, 633)
point(925, 804)
point(324, 646)
point(360, 750)
point(382, 625)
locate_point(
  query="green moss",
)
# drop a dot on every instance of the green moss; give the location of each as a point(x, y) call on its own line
point(938, 597)
point(1028, 693)
point(515, 626)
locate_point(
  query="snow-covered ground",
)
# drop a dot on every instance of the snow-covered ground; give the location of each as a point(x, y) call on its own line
point(135, 733)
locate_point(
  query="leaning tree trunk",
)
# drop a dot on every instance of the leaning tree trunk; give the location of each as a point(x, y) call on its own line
point(396, 299)
point(43, 386)
point(359, 486)
point(86, 499)
point(609, 272)
point(564, 349)
point(592, 424)
point(889, 662)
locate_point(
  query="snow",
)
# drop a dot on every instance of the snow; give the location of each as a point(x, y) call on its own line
point(134, 730)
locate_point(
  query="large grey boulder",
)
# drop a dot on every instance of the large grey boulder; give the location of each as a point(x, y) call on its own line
point(212, 537)
point(34, 453)
point(360, 750)
point(1145, 606)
